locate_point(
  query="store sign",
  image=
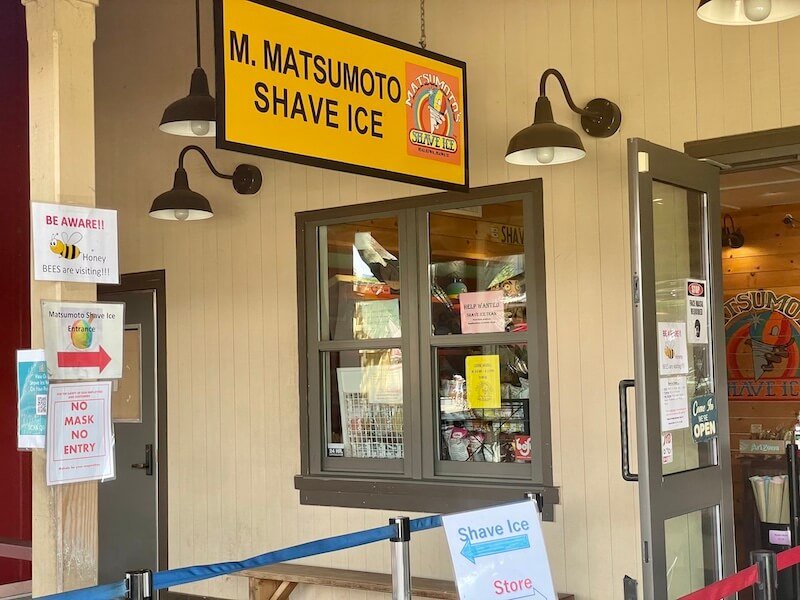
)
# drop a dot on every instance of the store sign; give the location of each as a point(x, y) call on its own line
point(301, 87)
point(499, 552)
point(763, 358)
point(83, 340)
point(704, 418)
point(74, 243)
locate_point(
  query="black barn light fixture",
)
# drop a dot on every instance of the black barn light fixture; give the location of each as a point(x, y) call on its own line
point(747, 12)
point(732, 236)
point(182, 204)
point(545, 142)
point(193, 115)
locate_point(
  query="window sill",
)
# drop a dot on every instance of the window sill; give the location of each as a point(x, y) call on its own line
point(415, 495)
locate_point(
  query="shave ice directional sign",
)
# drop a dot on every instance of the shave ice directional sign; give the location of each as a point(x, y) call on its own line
point(499, 553)
point(83, 340)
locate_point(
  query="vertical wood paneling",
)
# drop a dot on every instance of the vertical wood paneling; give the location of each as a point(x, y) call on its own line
point(587, 233)
point(736, 108)
point(765, 91)
point(232, 335)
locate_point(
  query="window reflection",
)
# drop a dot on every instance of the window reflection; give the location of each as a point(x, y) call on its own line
point(477, 269)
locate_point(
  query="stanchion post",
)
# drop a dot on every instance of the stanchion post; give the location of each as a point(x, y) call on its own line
point(539, 497)
point(139, 584)
point(793, 469)
point(767, 586)
point(401, 558)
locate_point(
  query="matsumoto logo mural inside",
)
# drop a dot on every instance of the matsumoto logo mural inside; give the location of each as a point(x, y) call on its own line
point(763, 355)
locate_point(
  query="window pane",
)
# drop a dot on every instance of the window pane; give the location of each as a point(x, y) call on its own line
point(484, 404)
point(365, 403)
point(360, 280)
point(477, 269)
point(685, 353)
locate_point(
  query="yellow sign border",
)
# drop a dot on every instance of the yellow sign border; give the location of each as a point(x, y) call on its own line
point(223, 143)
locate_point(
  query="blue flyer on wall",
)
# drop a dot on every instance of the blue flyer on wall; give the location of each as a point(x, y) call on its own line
point(32, 386)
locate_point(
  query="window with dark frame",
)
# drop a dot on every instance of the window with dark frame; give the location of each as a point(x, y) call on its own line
point(423, 352)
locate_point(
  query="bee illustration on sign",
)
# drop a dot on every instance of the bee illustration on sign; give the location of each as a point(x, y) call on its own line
point(66, 247)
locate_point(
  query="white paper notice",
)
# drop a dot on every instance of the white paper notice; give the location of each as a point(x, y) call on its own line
point(673, 356)
point(674, 403)
point(482, 312)
point(80, 443)
point(696, 311)
point(74, 243)
point(666, 448)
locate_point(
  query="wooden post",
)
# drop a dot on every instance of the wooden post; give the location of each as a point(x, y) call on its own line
point(61, 95)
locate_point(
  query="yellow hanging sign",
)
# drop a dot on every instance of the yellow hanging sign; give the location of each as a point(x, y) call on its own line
point(297, 86)
point(483, 381)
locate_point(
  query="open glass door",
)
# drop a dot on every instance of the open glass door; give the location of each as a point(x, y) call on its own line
point(681, 391)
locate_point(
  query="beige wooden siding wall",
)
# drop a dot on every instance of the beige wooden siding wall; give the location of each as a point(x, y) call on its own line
point(231, 327)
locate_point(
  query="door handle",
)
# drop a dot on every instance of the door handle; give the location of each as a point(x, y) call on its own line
point(624, 386)
point(147, 465)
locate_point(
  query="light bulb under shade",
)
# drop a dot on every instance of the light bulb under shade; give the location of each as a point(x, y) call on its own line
point(757, 10)
point(732, 12)
point(193, 115)
point(531, 157)
point(180, 201)
point(525, 148)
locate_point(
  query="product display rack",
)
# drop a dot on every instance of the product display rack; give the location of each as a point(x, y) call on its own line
point(512, 418)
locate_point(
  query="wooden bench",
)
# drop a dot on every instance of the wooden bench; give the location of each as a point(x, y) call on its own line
point(277, 582)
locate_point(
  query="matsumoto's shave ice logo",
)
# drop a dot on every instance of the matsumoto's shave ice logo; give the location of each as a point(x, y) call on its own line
point(763, 356)
point(433, 115)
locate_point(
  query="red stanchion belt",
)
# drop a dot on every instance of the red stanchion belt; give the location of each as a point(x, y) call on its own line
point(743, 579)
point(788, 558)
point(721, 589)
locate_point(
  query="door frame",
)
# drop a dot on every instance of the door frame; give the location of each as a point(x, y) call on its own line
point(752, 150)
point(666, 496)
point(156, 282)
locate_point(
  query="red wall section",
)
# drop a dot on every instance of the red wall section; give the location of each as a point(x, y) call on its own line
point(15, 467)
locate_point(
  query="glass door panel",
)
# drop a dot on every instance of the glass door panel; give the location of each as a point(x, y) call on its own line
point(692, 547)
point(681, 264)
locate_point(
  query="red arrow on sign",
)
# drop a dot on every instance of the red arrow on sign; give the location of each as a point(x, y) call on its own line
point(99, 359)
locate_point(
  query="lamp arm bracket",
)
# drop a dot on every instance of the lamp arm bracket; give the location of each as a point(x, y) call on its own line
point(557, 74)
point(202, 153)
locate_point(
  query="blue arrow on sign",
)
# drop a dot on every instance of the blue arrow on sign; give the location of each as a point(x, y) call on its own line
point(472, 551)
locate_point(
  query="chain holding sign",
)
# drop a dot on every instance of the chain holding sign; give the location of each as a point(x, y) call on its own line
point(74, 243)
point(83, 340)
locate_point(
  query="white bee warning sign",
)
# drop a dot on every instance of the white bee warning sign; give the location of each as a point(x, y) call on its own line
point(74, 243)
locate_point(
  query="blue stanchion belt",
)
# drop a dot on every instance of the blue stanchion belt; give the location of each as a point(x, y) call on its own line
point(165, 579)
point(108, 591)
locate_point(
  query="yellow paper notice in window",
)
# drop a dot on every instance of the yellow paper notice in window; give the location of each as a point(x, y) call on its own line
point(483, 381)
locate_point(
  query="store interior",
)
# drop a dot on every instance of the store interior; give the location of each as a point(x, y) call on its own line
point(472, 249)
point(761, 279)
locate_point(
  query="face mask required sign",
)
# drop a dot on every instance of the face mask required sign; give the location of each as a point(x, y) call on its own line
point(301, 87)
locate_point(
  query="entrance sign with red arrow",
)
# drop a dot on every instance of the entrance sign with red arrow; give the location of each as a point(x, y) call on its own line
point(83, 340)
